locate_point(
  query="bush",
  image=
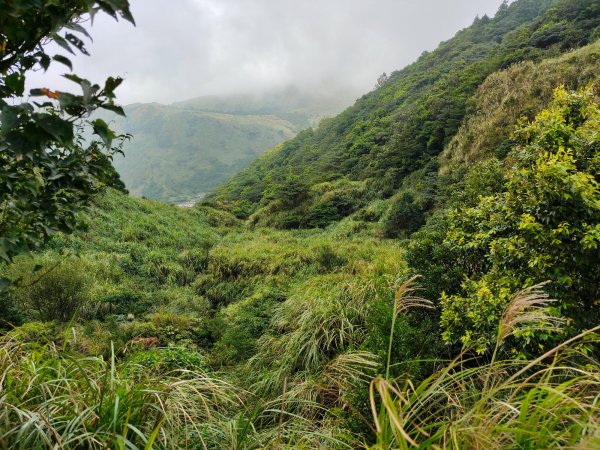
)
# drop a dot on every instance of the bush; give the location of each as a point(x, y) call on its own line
point(546, 401)
point(544, 226)
point(59, 291)
point(165, 361)
point(404, 216)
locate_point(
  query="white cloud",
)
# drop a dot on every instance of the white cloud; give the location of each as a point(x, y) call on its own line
point(186, 48)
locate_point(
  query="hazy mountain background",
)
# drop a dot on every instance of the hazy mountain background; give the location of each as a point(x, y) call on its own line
point(186, 148)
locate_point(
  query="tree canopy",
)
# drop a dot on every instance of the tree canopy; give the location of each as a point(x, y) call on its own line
point(48, 171)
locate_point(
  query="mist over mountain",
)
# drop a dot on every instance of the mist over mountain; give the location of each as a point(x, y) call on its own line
point(184, 149)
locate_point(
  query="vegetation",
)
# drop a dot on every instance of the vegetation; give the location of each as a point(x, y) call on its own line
point(389, 142)
point(188, 148)
point(501, 403)
point(445, 299)
point(48, 173)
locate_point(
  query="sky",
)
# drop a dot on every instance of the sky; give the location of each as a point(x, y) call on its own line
point(180, 49)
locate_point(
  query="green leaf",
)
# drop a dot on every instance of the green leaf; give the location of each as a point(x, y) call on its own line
point(102, 129)
point(110, 85)
point(76, 27)
point(63, 60)
point(74, 78)
point(114, 108)
point(62, 42)
point(4, 249)
point(16, 83)
point(78, 43)
point(9, 118)
point(4, 284)
point(44, 61)
point(149, 445)
point(37, 92)
point(61, 130)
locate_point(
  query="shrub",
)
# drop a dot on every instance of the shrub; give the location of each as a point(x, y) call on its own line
point(544, 226)
point(59, 291)
point(404, 216)
point(243, 323)
point(165, 361)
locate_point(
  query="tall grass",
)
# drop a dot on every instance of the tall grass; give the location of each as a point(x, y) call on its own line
point(50, 400)
point(551, 401)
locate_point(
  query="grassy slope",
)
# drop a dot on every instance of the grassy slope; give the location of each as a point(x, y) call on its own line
point(299, 319)
point(521, 91)
point(195, 279)
point(176, 153)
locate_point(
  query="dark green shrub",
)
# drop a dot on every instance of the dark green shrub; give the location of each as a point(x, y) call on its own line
point(404, 217)
point(165, 361)
point(59, 291)
point(322, 214)
point(243, 323)
point(328, 258)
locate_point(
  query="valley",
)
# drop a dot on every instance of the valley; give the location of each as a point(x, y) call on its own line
point(417, 269)
point(181, 149)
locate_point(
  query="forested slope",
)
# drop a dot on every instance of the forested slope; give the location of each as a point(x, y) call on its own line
point(392, 137)
point(441, 292)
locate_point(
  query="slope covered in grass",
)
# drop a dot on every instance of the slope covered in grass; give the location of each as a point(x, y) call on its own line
point(187, 148)
point(162, 327)
point(276, 329)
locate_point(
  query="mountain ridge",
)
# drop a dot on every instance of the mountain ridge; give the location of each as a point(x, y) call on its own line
point(183, 149)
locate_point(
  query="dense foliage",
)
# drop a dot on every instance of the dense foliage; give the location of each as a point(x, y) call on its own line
point(164, 327)
point(391, 138)
point(544, 225)
point(47, 172)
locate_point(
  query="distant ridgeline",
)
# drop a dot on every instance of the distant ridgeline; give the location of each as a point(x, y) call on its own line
point(400, 151)
point(182, 150)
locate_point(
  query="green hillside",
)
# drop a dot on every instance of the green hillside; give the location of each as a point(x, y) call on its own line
point(390, 140)
point(178, 151)
point(421, 271)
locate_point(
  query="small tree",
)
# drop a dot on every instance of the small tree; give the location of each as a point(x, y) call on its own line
point(544, 226)
point(383, 78)
point(47, 170)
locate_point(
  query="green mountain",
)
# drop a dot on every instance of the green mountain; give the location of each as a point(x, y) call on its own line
point(181, 150)
point(301, 107)
point(420, 271)
point(388, 144)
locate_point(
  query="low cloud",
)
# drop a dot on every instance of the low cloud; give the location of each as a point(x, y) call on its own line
point(185, 48)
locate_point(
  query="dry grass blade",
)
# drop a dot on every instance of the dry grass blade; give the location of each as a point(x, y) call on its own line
point(552, 401)
point(405, 300)
point(349, 368)
point(528, 309)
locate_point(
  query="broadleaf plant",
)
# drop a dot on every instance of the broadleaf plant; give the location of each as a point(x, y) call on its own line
point(48, 170)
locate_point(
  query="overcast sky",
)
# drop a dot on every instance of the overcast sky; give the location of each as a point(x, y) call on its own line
point(186, 48)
